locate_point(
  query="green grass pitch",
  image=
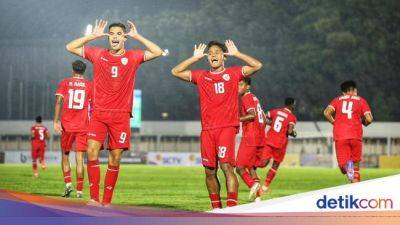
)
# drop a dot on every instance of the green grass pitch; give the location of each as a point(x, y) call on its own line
point(181, 188)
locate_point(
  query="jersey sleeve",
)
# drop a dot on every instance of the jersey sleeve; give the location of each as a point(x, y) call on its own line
point(365, 107)
point(248, 103)
point(292, 120)
point(91, 53)
point(195, 75)
point(61, 89)
point(333, 104)
point(238, 72)
point(138, 56)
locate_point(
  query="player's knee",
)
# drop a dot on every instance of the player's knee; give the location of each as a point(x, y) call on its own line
point(226, 168)
point(240, 170)
point(211, 172)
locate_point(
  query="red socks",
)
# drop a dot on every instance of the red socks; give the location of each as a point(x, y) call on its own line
point(270, 177)
point(232, 199)
point(248, 180)
point(67, 176)
point(79, 184)
point(215, 200)
point(109, 183)
point(357, 176)
point(93, 168)
point(34, 165)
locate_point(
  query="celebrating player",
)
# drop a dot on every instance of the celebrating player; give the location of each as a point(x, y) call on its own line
point(347, 112)
point(77, 93)
point(39, 134)
point(253, 137)
point(218, 94)
point(113, 81)
point(283, 123)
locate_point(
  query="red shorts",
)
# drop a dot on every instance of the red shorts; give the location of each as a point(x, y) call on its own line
point(349, 149)
point(114, 124)
point(68, 139)
point(277, 154)
point(249, 156)
point(38, 149)
point(218, 145)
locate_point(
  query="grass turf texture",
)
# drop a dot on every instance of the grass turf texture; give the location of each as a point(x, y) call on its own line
point(174, 187)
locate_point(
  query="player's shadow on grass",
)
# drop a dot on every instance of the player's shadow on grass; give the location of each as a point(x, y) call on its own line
point(46, 194)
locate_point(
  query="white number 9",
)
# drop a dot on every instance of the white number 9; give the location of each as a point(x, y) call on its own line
point(114, 71)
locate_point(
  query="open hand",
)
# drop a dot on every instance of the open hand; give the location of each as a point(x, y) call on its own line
point(199, 51)
point(232, 49)
point(98, 30)
point(57, 127)
point(133, 33)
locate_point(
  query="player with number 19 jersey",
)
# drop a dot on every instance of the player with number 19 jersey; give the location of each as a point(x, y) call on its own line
point(218, 94)
point(347, 128)
point(277, 135)
point(77, 94)
point(113, 85)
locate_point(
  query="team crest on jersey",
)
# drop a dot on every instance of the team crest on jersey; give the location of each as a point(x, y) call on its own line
point(124, 61)
point(226, 77)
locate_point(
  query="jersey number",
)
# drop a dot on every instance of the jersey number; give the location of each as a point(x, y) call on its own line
point(76, 99)
point(114, 71)
point(278, 124)
point(122, 138)
point(41, 135)
point(221, 151)
point(347, 108)
point(219, 88)
point(260, 113)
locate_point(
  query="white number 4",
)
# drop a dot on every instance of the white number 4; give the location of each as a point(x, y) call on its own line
point(347, 109)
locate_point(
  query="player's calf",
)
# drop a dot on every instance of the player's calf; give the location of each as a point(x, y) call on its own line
point(231, 184)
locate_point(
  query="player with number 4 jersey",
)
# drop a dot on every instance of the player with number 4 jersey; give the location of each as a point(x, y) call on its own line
point(218, 94)
point(114, 73)
point(73, 96)
point(282, 121)
point(347, 113)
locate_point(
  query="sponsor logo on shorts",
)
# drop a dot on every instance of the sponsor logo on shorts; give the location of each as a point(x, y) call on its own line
point(204, 159)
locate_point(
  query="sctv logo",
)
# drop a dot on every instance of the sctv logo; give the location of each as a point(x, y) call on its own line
point(351, 202)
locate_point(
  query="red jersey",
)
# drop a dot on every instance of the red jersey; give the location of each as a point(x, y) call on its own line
point(218, 94)
point(40, 132)
point(281, 118)
point(253, 132)
point(77, 93)
point(349, 111)
point(113, 78)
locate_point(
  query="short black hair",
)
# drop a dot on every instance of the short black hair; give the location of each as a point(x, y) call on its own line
point(247, 80)
point(289, 101)
point(218, 44)
point(121, 25)
point(38, 119)
point(348, 85)
point(78, 67)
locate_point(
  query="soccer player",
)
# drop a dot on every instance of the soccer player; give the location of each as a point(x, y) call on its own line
point(72, 98)
point(253, 137)
point(283, 123)
point(218, 94)
point(39, 134)
point(347, 112)
point(113, 84)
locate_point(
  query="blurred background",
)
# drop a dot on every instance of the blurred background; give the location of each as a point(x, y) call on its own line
point(308, 48)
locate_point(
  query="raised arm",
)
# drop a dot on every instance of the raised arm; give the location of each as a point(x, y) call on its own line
point(253, 65)
point(181, 71)
point(291, 131)
point(57, 111)
point(153, 51)
point(76, 46)
point(328, 114)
